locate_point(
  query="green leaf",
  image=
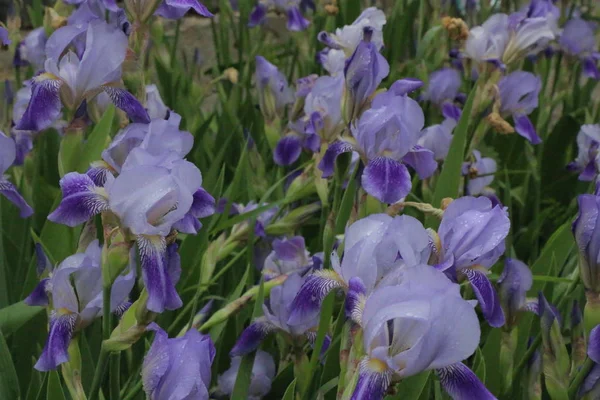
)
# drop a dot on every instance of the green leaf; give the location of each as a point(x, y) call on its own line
point(491, 354)
point(9, 383)
point(412, 387)
point(71, 147)
point(55, 390)
point(449, 180)
point(290, 391)
point(479, 365)
point(15, 316)
point(97, 140)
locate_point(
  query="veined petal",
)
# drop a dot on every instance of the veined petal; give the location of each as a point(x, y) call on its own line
point(59, 336)
point(128, 103)
point(158, 273)
point(355, 299)
point(462, 384)
point(593, 350)
point(307, 302)
point(39, 296)
point(98, 172)
point(487, 297)
point(251, 337)
point(10, 192)
point(288, 150)
point(327, 164)
point(373, 380)
point(81, 200)
point(421, 160)
point(525, 128)
point(44, 106)
point(387, 180)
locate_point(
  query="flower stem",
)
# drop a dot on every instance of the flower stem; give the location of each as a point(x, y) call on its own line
point(174, 48)
point(115, 366)
point(103, 358)
point(98, 375)
point(581, 375)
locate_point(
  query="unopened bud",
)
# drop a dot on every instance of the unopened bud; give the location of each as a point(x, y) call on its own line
point(115, 258)
point(456, 27)
point(231, 74)
point(294, 219)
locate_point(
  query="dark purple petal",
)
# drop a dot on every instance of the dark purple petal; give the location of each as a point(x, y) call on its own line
point(44, 106)
point(355, 299)
point(525, 128)
point(371, 385)
point(590, 69)
point(487, 297)
point(421, 160)
point(188, 224)
point(4, 37)
point(157, 275)
point(251, 337)
point(258, 15)
point(9, 191)
point(387, 180)
point(59, 336)
point(452, 111)
point(307, 302)
point(593, 350)
point(98, 174)
point(405, 86)
point(288, 150)
point(39, 296)
point(515, 281)
point(186, 5)
point(462, 384)
point(42, 262)
point(327, 164)
point(81, 200)
point(312, 142)
point(295, 20)
point(203, 204)
point(128, 103)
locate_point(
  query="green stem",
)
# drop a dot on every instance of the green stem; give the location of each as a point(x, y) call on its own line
point(115, 385)
point(581, 375)
point(174, 48)
point(134, 391)
point(106, 315)
point(99, 374)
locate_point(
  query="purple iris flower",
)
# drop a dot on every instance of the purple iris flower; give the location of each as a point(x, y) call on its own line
point(364, 71)
point(504, 39)
point(480, 172)
point(471, 240)
point(323, 107)
point(32, 49)
point(291, 8)
point(277, 309)
point(586, 229)
point(8, 153)
point(343, 43)
point(4, 36)
point(262, 221)
point(587, 162)
point(376, 250)
point(74, 291)
point(420, 324)
point(176, 9)
point(543, 9)
point(263, 372)
point(288, 256)
point(273, 90)
point(70, 80)
point(386, 137)
point(519, 92)
point(437, 138)
point(301, 136)
point(108, 4)
point(178, 368)
point(578, 39)
point(515, 281)
point(443, 89)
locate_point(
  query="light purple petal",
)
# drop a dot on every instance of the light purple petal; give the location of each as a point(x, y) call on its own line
point(421, 160)
point(525, 128)
point(4, 37)
point(309, 298)
point(62, 38)
point(55, 351)
point(295, 20)
point(186, 5)
point(251, 337)
point(156, 271)
point(462, 384)
point(487, 297)
point(9, 191)
point(81, 200)
point(405, 86)
point(327, 164)
point(128, 103)
point(593, 350)
point(44, 106)
point(386, 180)
point(515, 281)
point(288, 150)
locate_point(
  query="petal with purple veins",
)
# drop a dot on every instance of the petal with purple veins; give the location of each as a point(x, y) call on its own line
point(81, 200)
point(487, 297)
point(372, 382)
point(44, 106)
point(9, 191)
point(55, 351)
point(128, 103)
point(462, 384)
point(327, 164)
point(288, 150)
point(252, 337)
point(387, 180)
point(309, 298)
